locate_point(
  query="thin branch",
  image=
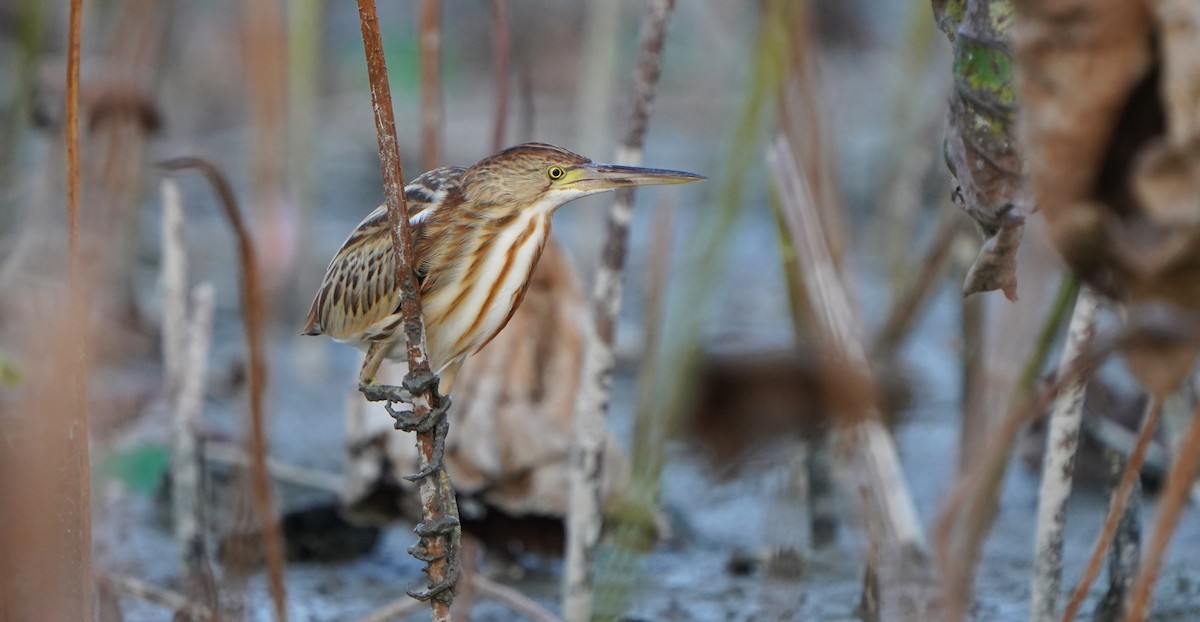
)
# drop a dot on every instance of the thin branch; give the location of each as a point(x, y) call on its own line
point(584, 514)
point(1179, 482)
point(431, 83)
point(81, 584)
point(283, 472)
point(514, 600)
point(176, 602)
point(501, 57)
point(438, 505)
point(253, 317)
point(1116, 508)
point(1058, 466)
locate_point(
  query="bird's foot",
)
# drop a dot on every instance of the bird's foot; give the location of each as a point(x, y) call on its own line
point(375, 392)
point(442, 590)
point(437, 458)
point(440, 526)
point(418, 382)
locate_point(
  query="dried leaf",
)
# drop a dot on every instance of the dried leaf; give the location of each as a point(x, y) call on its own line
point(996, 266)
point(981, 147)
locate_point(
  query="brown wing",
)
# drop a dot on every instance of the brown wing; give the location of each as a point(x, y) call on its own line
point(359, 289)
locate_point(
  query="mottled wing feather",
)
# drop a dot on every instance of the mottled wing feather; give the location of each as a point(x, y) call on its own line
point(358, 296)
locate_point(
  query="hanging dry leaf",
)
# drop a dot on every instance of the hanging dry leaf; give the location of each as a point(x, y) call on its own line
point(981, 147)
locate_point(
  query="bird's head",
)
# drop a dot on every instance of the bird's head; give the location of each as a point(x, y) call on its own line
point(541, 176)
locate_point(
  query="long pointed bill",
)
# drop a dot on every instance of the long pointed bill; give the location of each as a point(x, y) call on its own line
point(597, 177)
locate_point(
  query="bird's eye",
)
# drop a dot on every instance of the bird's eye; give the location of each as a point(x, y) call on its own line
point(556, 172)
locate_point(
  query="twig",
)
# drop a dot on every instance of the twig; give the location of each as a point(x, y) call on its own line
point(431, 83)
point(501, 57)
point(514, 600)
point(394, 610)
point(283, 472)
point(79, 518)
point(584, 515)
point(176, 602)
point(486, 588)
point(252, 316)
point(1116, 508)
point(1179, 482)
point(1058, 466)
point(1126, 544)
point(438, 505)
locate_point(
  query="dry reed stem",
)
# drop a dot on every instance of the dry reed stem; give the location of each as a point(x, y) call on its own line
point(431, 83)
point(1179, 482)
point(584, 514)
point(253, 318)
point(1116, 508)
point(79, 584)
point(185, 358)
point(183, 607)
point(974, 489)
point(874, 450)
point(438, 503)
point(501, 58)
point(1058, 466)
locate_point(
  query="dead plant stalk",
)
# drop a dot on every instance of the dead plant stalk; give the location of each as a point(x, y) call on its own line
point(585, 508)
point(1058, 466)
point(437, 497)
point(874, 452)
point(253, 316)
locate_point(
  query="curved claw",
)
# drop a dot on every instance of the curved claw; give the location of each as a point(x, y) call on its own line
point(375, 392)
point(417, 383)
point(437, 527)
point(442, 590)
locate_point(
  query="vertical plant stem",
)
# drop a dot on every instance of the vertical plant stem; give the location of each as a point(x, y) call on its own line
point(253, 316)
point(966, 516)
point(185, 355)
point(1058, 466)
point(1126, 543)
point(973, 401)
point(501, 59)
point(188, 497)
point(874, 451)
point(437, 497)
point(585, 507)
point(431, 83)
point(1179, 482)
point(79, 582)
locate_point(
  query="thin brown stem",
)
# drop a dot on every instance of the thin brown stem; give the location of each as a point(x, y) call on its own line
point(253, 315)
point(438, 506)
point(501, 57)
point(79, 518)
point(1116, 508)
point(431, 82)
point(1179, 482)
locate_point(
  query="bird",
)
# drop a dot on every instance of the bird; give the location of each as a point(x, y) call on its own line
point(477, 234)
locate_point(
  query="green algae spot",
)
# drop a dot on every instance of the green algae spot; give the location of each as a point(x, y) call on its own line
point(986, 71)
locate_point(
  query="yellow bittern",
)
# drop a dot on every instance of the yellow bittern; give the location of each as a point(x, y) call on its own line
point(477, 234)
